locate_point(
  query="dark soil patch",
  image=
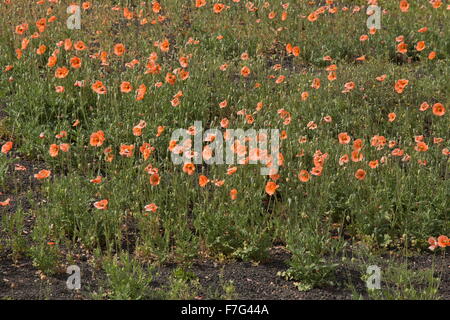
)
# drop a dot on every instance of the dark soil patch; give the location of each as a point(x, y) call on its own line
point(251, 282)
point(22, 281)
point(20, 182)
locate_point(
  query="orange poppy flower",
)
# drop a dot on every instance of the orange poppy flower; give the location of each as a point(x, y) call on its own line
point(5, 203)
point(397, 152)
point(400, 85)
point(171, 78)
point(233, 194)
point(61, 72)
point(86, 5)
point(156, 7)
point(218, 7)
point(288, 48)
point(79, 46)
point(119, 49)
point(98, 87)
point(438, 109)
point(109, 157)
point(21, 28)
point(317, 171)
point(357, 156)
point(151, 207)
point(183, 74)
point(391, 116)
point(155, 179)
point(101, 205)
point(392, 143)
point(140, 92)
point(42, 174)
point(360, 174)
point(24, 43)
point(344, 138)
point(7, 147)
point(75, 62)
point(189, 168)
point(421, 146)
point(331, 76)
point(349, 86)
point(404, 6)
point(200, 3)
point(315, 83)
point(373, 164)
point(344, 159)
point(97, 138)
point(259, 106)
point(218, 183)
point(303, 176)
point(312, 17)
point(126, 150)
point(160, 130)
point(437, 4)
point(164, 46)
point(127, 13)
point(311, 125)
point(41, 24)
point(304, 95)
point(433, 243)
point(97, 180)
point(231, 170)
point(424, 29)
point(202, 181)
point(420, 45)
point(271, 187)
point(54, 150)
point(19, 54)
point(443, 241)
point(184, 62)
point(68, 44)
point(245, 71)
point(357, 144)
point(41, 50)
point(280, 79)
point(424, 106)
point(402, 47)
point(125, 87)
point(146, 149)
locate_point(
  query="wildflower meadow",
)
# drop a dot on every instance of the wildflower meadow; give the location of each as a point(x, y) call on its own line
point(224, 149)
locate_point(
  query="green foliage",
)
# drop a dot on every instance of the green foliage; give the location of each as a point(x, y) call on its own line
point(127, 279)
point(12, 224)
point(182, 285)
point(312, 250)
